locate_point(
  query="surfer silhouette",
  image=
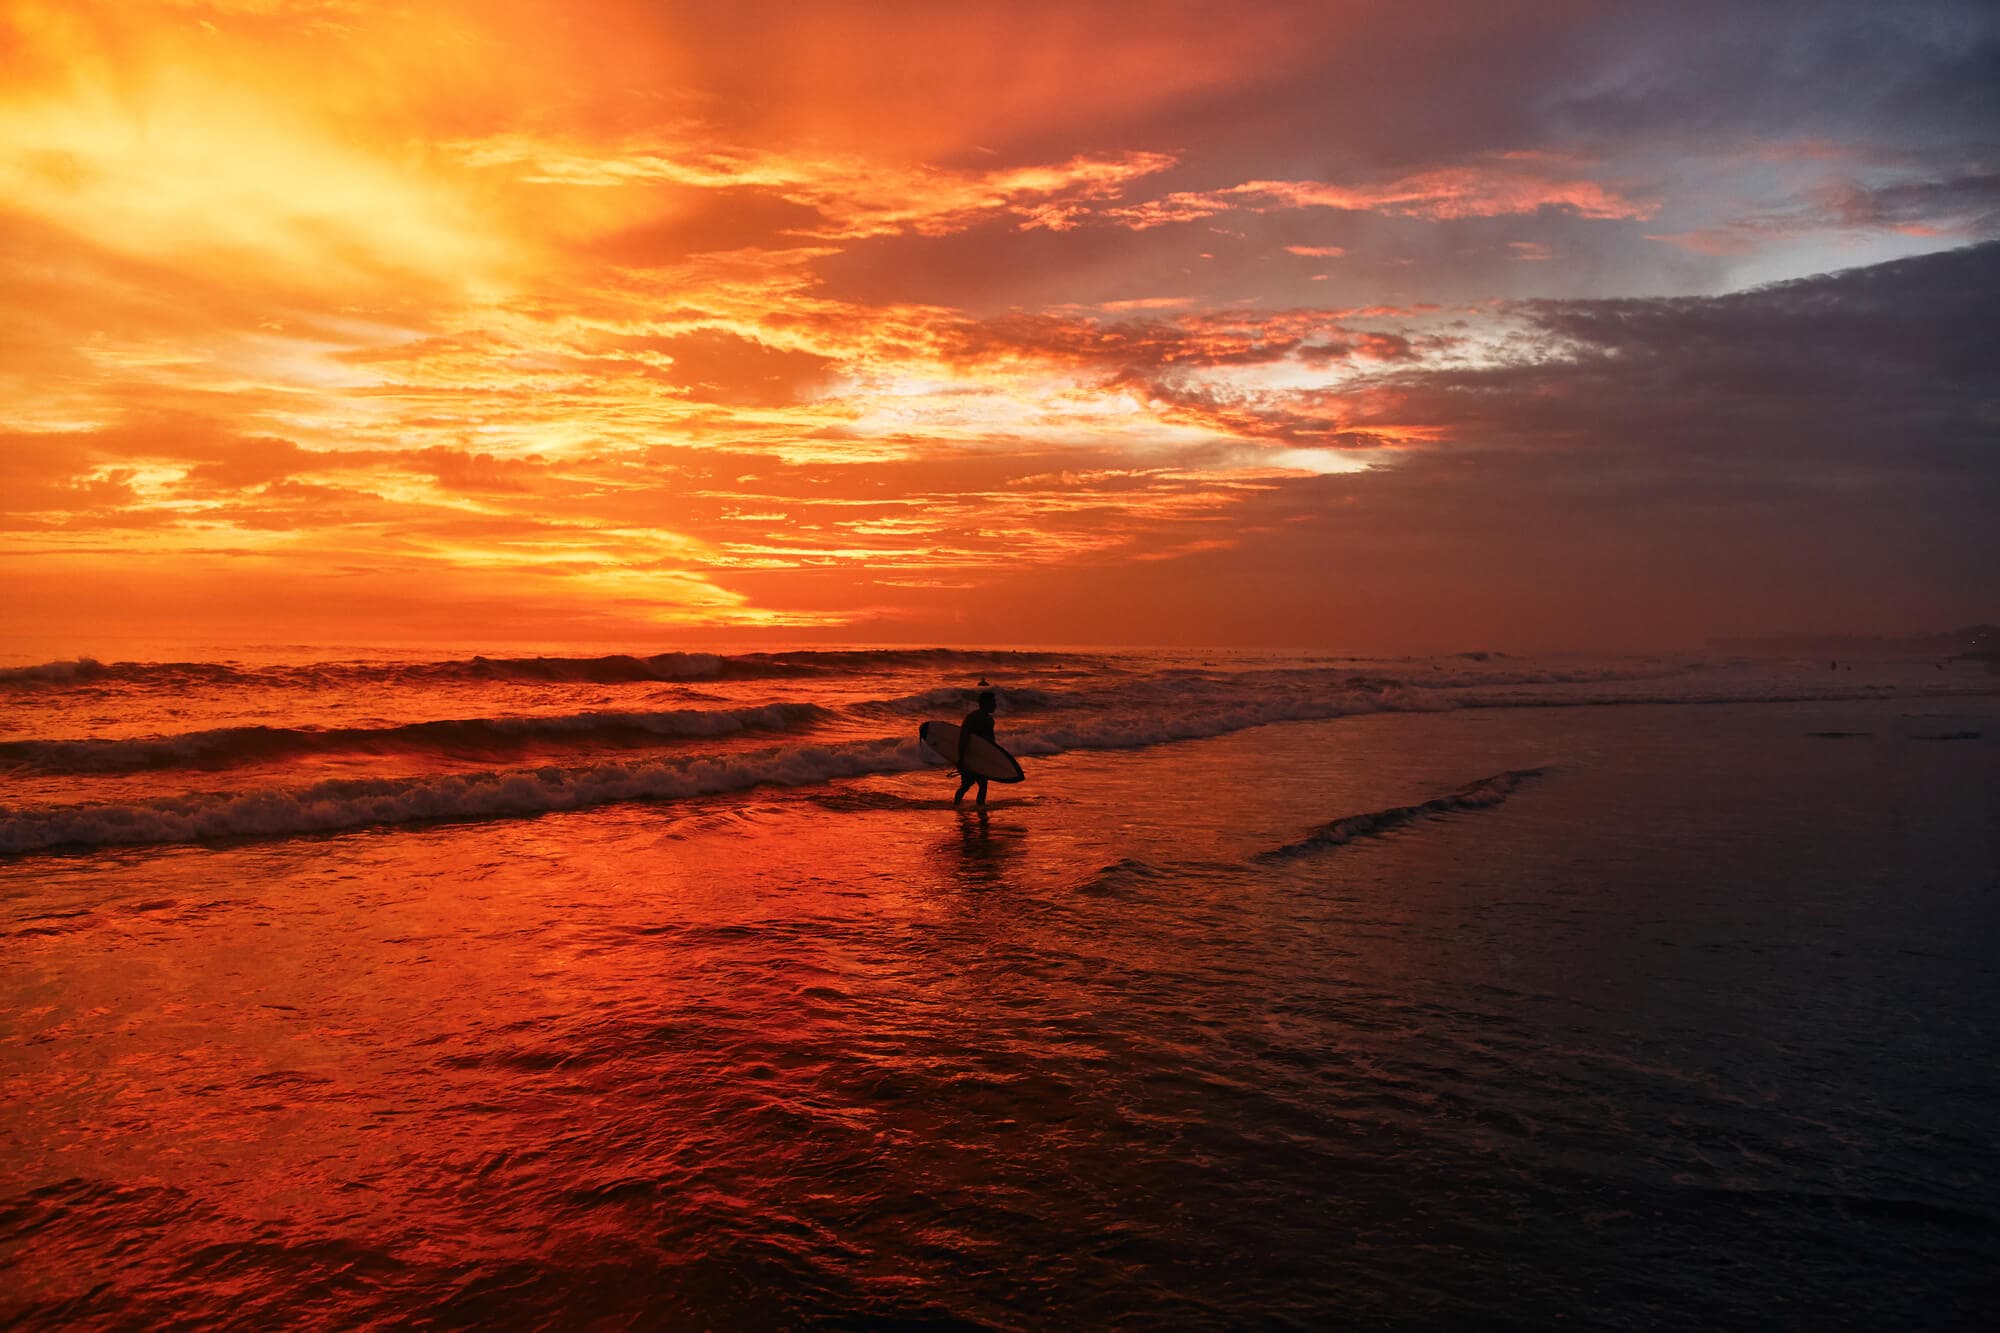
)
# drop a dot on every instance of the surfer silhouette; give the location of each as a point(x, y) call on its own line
point(979, 722)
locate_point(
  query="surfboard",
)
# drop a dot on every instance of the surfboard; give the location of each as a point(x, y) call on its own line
point(983, 759)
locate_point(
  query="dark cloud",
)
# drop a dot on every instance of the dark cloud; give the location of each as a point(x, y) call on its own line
point(1647, 101)
point(1516, 550)
point(1967, 203)
point(1814, 453)
point(1960, 207)
point(1887, 369)
point(1889, 365)
point(1359, 93)
point(1817, 454)
point(1921, 76)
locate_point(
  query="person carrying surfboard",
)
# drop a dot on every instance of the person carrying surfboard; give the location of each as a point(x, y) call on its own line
point(979, 722)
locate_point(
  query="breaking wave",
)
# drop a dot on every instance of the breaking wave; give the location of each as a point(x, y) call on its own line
point(223, 746)
point(354, 803)
point(88, 670)
point(608, 669)
point(593, 752)
point(350, 803)
point(1480, 795)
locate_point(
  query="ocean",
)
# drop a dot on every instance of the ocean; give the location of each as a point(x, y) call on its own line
point(674, 991)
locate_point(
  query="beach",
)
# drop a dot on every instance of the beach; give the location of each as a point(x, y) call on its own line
point(1020, 666)
point(1283, 992)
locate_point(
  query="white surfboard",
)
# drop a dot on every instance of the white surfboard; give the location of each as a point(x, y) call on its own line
point(983, 759)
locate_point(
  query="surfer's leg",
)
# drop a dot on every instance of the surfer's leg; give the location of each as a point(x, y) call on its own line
point(982, 791)
point(964, 786)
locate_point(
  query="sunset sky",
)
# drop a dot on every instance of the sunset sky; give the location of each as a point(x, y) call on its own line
point(1342, 326)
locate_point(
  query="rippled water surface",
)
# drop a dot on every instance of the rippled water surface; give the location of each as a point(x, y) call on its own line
point(1624, 1016)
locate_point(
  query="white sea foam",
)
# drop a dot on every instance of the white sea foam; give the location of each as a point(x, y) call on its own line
point(224, 745)
point(326, 806)
point(515, 792)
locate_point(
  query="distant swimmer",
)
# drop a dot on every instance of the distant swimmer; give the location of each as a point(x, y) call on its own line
point(979, 722)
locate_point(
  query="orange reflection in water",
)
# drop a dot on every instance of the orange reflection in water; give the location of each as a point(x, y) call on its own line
point(843, 1049)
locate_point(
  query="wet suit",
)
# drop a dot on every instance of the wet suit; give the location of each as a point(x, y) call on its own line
point(979, 722)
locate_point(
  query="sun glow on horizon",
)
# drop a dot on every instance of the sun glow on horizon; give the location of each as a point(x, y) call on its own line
point(445, 308)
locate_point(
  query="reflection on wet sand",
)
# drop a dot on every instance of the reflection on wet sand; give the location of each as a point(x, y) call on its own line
point(843, 1054)
point(985, 849)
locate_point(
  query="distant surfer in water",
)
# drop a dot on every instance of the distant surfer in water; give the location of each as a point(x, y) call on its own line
point(979, 722)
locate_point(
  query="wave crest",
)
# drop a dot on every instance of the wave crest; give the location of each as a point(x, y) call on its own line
point(1481, 795)
point(606, 669)
point(224, 746)
point(347, 803)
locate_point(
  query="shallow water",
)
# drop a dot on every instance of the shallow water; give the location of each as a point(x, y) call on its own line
point(1691, 1020)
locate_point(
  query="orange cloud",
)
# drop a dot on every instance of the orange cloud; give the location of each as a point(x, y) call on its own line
point(475, 313)
point(302, 294)
point(843, 197)
point(1508, 185)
